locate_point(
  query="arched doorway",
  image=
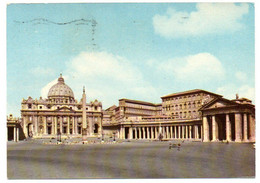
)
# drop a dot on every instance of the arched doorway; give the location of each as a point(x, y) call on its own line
point(96, 128)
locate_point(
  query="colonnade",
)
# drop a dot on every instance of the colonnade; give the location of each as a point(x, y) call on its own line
point(183, 131)
point(242, 126)
point(42, 125)
point(15, 133)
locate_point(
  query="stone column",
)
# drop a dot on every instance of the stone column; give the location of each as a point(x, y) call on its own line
point(35, 125)
point(182, 131)
point(25, 122)
point(76, 126)
point(197, 131)
point(205, 129)
point(17, 135)
point(214, 129)
point(228, 128)
point(123, 132)
point(194, 131)
point(144, 135)
point(156, 132)
point(152, 133)
point(148, 132)
point(61, 119)
point(52, 125)
point(251, 128)
point(179, 132)
point(167, 132)
point(245, 127)
point(190, 132)
point(140, 133)
point(201, 132)
point(171, 132)
point(44, 125)
point(130, 133)
point(14, 134)
point(186, 132)
point(73, 125)
point(238, 127)
point(68, 126)
point(135, 132)
point(55, 125)
point(175, 132)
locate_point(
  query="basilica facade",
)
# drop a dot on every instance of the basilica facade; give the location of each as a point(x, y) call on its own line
point(190, 115)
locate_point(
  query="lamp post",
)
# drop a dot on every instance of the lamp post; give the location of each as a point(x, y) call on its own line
point(102, 136)
point(114, 133)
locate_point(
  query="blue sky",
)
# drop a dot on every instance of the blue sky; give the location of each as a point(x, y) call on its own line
point(137, 51)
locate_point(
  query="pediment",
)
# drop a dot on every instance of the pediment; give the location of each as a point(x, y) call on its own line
point(64, 109)
point(218, 103)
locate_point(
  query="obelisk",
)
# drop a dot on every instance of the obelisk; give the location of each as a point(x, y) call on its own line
point(84, 116)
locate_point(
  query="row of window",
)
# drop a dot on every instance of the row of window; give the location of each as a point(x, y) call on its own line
point(186, 114)
point(140, 111)
point(58, 107)
point(61, 101)
point(180, 106)
point(140, 106)
point(49, 119)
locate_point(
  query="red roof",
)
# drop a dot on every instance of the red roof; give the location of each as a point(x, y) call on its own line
point(190, 92)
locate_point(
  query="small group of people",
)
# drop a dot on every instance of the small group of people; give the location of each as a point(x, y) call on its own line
point(178, 146)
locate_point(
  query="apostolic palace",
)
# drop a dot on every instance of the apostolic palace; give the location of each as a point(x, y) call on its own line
point(190, 115)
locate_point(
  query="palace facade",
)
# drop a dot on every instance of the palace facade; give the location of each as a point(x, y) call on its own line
point(189, 115)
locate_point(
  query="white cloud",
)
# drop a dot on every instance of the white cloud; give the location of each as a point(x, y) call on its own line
point(201, 68)
point(210, 18)
point(107, 77)
point(241, 76)
point(230, 91)
point(96, 64)
point(46, 88)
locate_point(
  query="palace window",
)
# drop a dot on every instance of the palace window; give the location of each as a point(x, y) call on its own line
point(189, 114)
point(29, 106)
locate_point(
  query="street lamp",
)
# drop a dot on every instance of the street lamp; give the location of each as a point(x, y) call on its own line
point(114, 133)
point(102, 137)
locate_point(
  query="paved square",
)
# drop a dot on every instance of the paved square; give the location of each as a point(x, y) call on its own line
point(136, 159)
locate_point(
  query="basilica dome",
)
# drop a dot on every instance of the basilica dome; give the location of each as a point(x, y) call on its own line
point(60, 89)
